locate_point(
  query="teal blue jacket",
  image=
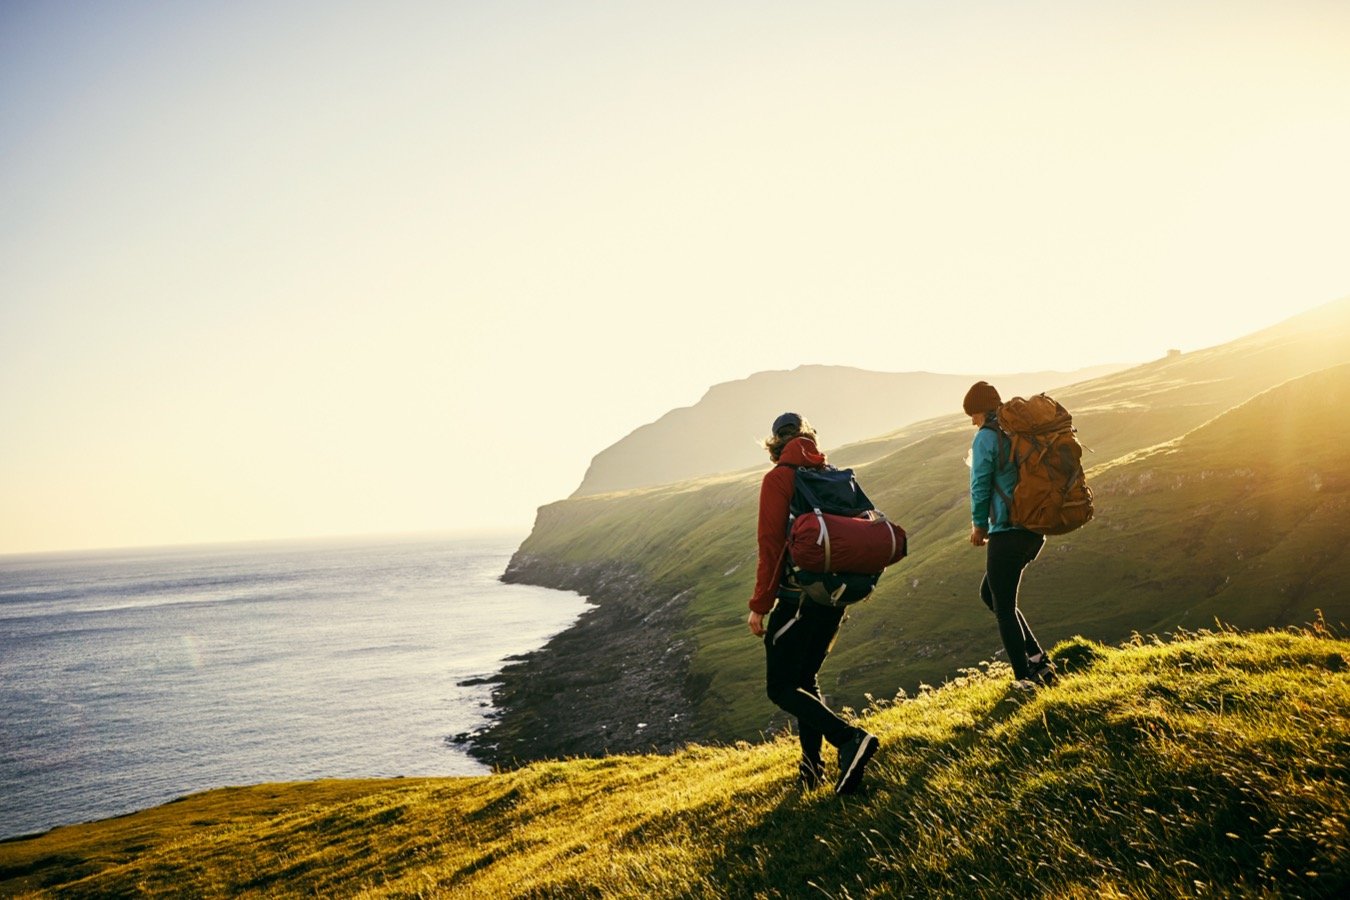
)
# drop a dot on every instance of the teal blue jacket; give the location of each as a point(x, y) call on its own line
point(990, 466)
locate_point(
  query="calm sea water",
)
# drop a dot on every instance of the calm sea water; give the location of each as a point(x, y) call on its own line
point(128, 679)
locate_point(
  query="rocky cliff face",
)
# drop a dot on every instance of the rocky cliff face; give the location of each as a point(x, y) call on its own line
point(616, 681)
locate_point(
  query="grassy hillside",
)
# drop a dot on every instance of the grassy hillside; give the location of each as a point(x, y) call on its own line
point(1211, 764)
point(1256, 504)
point(1221, 479)
point(1164, 399)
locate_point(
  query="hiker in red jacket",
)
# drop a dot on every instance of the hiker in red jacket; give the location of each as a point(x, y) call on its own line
point(797, 632)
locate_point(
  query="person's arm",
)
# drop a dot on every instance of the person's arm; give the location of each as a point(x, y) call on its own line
point(983, 465)
point(775, 493)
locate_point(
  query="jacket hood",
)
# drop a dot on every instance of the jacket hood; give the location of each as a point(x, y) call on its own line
point(801, 451)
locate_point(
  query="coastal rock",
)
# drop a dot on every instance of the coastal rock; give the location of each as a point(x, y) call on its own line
point(477, 681)
point(617, 681)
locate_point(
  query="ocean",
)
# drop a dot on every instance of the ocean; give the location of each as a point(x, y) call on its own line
point(130, 678)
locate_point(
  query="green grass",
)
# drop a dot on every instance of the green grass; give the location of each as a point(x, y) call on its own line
point(1211, 763)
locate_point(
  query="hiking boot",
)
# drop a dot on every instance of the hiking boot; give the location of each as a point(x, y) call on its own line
point(853, 755)
point(810, 773)
point(1025, 685)
point(1044, 673)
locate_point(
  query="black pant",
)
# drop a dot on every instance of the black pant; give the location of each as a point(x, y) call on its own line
point(1007, 555)
point(795, 646)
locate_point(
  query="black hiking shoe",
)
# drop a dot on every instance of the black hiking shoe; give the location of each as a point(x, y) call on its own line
point(1044, 672)
point(852, 757)
point(810, 773)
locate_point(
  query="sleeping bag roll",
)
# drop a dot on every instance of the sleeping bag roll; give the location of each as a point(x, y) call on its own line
point(822, 542)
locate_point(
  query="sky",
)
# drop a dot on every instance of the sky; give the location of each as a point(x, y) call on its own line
point(289, 268)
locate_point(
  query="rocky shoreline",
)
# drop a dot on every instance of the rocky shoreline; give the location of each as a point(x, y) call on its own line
point(617, 681)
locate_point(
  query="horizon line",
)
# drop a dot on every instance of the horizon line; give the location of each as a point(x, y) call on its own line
point(487, 532)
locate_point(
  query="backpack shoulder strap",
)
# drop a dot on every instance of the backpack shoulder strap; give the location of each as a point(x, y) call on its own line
point(1003, 461)
point(796, 489)
point(808, 495)
point(1004, 444)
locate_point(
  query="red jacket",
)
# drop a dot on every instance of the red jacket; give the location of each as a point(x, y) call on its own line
point(775, 493)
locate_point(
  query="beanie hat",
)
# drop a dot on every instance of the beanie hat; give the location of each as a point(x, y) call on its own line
point(786, 420)
point(981, 398)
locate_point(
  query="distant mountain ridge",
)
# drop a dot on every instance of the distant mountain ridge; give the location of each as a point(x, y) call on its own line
point(720, 432)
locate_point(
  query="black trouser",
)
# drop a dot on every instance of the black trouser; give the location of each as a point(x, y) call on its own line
point(795, 646)
point(1007, 555)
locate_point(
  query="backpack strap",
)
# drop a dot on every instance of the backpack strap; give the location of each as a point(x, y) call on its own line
point(1007, 501)
point(1001, 463)
point(785, 567)
point(794, 467)
point(814, 502)
point(1000, 438)
point(807, 494)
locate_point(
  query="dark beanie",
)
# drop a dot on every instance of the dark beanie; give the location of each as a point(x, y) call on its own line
point(981, 398)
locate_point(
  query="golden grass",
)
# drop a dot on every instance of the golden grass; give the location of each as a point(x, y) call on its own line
point(1212, 763)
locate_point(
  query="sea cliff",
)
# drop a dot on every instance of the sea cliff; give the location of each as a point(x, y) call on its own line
point(617, 681)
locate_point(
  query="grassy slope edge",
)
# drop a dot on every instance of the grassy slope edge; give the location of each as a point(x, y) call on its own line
point(1208, 763)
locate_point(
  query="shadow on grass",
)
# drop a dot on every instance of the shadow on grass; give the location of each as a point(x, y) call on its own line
point(817, 843)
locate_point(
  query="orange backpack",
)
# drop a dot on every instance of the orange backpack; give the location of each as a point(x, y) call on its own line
point(1052, 496)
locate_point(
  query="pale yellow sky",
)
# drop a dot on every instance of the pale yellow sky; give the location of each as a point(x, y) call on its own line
point(298, 268)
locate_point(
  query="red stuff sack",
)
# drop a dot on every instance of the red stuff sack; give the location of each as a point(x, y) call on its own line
point(866, 544)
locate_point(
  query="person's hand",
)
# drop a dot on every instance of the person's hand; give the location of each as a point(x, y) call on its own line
point(756, 623)
point(978, 535)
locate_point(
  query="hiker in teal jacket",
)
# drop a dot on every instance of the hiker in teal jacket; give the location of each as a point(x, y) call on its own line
point(993, 478)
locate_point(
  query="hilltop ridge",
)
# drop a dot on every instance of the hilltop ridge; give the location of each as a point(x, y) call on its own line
point(720, 432)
